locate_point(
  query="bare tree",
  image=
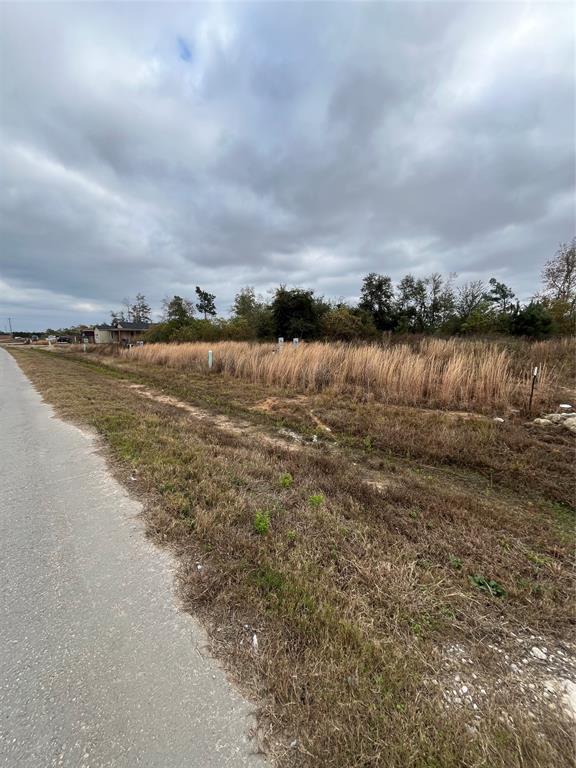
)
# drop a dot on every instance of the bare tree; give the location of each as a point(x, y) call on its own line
point(559, 274)
point(470, 298)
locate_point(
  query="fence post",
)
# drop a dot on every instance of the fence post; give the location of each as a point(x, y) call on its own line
point(210, 359)
point(534, 379)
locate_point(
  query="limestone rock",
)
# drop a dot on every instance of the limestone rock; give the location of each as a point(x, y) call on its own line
point(558, 418)
point(570, 423)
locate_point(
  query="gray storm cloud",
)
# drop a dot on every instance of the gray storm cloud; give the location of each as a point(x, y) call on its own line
point(154, 147)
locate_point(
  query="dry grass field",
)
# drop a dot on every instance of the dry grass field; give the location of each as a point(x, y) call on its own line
point(404, 561)
point(434, 372)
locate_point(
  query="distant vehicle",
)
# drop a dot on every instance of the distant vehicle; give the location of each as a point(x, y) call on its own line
point(64, 340)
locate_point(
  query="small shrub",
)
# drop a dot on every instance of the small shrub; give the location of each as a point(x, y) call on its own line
point(261, 522)
point(286, 480)
point(316, 500)
point(368, 444)
point(455, 562)
point(487, 585)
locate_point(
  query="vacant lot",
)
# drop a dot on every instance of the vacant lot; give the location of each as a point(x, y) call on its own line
point(393, 584)
point(430, 372)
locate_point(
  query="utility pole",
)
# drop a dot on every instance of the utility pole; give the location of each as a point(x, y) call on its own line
point(10, 324)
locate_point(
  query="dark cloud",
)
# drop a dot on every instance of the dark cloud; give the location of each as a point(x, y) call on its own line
point(156, 147)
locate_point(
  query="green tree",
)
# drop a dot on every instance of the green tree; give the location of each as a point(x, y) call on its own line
point(264, 325)
point(500, 295)
point(177, 310)
point(377, 298)
point(297, 313)
point(411, 304)
point(533, 320)
point(253, 312)
point(206, 303)
point(245, 305)
point(341, 323)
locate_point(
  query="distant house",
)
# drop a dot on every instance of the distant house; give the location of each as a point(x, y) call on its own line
point(118, 333)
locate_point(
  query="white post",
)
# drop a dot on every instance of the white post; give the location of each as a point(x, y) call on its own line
point(210, 359)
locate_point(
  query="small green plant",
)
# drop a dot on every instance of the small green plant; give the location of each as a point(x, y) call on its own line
point(316, 500)
point(455, 562)
point(286, 480)
point(261, 522)
point(368, 444)
point(538, 559)
point(487, 585)
point(421, 624)
point(413, 514)
point(269, 580)
point(291, 535)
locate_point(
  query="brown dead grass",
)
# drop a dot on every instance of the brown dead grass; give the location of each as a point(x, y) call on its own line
point(514, 454)
point(353, 600)
point(438, 373)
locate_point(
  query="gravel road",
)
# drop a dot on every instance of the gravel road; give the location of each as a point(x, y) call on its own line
point(97, 666)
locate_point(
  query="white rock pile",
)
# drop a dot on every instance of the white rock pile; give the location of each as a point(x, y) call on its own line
point(566, 419)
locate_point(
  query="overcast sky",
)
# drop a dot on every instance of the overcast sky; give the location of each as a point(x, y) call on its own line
point(153, 147)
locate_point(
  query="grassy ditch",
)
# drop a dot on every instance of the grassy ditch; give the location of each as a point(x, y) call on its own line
point(358, 572)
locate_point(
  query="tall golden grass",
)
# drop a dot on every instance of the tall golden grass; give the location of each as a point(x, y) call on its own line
point(435, 372)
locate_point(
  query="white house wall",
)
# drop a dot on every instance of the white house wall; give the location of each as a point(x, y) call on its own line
point(102, 336)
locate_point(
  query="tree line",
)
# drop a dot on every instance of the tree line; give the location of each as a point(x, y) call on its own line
point(433, 304)
point(138, 310)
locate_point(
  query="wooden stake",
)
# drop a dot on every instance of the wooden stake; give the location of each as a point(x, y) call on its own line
point(534, 378)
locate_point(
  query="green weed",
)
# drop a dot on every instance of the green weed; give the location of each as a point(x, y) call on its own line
point(455, 562)
point(487, 585)
point(261, 522)
point(286, 480)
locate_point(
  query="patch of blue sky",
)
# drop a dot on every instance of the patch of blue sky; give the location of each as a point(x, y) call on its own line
point(184, 50)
